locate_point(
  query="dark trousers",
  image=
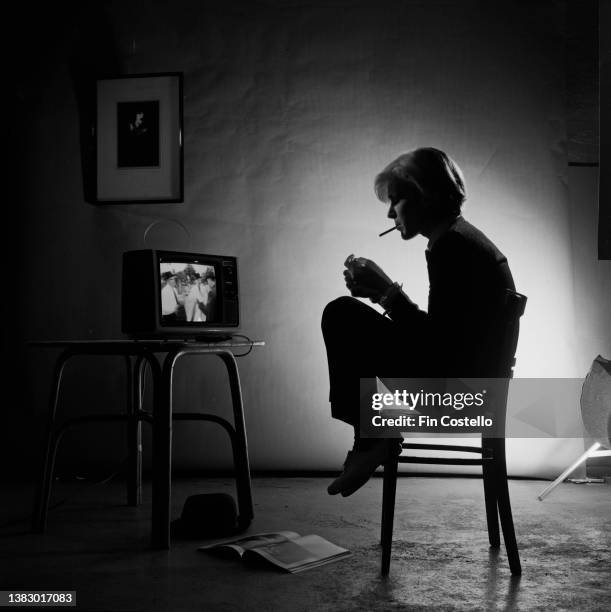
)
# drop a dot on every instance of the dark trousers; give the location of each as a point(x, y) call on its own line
point(362, 343)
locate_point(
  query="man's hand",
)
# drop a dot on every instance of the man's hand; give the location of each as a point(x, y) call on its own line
point(364, 278)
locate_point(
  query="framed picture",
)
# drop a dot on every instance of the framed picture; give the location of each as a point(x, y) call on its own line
point(138, 134)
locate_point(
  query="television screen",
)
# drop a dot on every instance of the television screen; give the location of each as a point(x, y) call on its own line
point(188, 292)
point(170, 294)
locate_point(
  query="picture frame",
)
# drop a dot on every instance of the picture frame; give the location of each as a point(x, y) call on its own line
point(138, 135)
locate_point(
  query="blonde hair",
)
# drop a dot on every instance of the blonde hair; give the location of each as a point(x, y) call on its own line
point(433, 171)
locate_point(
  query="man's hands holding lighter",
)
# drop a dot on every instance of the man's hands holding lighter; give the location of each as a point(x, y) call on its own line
point(364, 278)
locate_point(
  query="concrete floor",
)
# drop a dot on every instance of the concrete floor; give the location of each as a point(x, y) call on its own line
point(441, 559)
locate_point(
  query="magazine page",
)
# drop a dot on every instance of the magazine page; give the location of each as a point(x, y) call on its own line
point(300, 554)
point(241, 545)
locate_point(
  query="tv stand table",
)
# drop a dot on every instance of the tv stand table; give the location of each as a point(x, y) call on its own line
point(161, 356)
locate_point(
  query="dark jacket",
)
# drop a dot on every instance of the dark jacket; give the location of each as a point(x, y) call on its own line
point(467, 279)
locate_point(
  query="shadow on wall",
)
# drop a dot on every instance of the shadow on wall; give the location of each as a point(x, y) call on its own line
point(80, 38)
point(94, 55)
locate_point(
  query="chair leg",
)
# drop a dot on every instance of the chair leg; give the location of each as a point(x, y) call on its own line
point(509, 534)
point(490, 497)
point(388, 512)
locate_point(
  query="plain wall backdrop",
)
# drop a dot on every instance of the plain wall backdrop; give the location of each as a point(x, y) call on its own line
point(290, 109)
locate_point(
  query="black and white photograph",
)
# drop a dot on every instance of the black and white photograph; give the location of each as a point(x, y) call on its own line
point(138, 133)
point(308, 306)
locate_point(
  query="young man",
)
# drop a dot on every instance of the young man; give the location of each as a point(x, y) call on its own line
point(467, 277)
point(170, 300)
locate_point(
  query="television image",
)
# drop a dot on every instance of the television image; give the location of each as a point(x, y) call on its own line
point(175, 294)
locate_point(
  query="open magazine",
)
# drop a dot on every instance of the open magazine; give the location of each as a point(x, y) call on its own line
point(285, 549)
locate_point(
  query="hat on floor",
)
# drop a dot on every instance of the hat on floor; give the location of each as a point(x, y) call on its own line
point(210, 515)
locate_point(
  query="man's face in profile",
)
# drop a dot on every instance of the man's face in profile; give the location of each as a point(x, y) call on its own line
point(408, 209)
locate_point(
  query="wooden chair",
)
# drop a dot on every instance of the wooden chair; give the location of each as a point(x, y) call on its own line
point(492, 451)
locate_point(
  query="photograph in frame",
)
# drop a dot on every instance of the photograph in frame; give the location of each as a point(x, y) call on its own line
point(139, 155)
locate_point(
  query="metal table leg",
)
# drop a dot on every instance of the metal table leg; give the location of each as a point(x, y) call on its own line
point(135, 378)
point(240, 448)
point(41, 509)
point(162, 451)
point(162, 443)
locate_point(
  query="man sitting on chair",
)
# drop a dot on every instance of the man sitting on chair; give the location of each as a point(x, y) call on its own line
point(467, 279)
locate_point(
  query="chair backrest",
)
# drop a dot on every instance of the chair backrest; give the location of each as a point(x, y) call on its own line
point(502, 355)
point(512, 308)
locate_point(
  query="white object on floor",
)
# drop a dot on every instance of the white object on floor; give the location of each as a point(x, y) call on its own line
point(596, 415)
point(591, 452)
